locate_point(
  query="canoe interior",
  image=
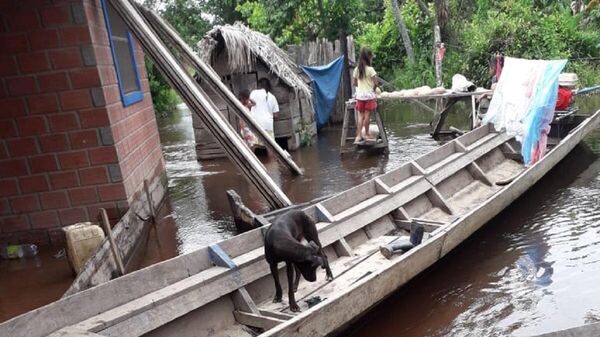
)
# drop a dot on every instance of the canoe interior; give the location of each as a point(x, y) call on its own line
point(198, 295)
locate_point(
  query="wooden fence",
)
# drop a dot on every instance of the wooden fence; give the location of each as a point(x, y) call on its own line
point(322, 52)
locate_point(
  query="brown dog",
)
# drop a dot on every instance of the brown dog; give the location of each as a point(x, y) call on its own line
point(282, 244)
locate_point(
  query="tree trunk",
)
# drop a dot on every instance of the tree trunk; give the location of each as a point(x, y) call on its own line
point(403, 31)
point(321, 15)
point(347, 87)
point(441, 10)
point(423, 7)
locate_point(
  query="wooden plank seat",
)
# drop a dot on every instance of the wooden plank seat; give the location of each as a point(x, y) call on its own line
point(467, 158)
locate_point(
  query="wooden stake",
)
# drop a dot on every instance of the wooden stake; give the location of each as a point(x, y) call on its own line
point(113, 244)
point(437, 40)
point(150, 202)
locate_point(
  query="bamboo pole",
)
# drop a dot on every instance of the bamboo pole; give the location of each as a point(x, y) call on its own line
point(113, 244)
point(168, 33)
point(196, 99)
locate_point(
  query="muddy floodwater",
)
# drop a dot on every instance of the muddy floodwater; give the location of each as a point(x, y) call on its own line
point(532, 269)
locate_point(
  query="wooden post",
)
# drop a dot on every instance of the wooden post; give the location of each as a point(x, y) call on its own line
point(438, 65)
point(198, 102)
point(437, 40)
point(168, 33)
point(150, 202)
point(113, 245)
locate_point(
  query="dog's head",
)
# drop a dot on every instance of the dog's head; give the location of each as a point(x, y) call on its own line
point(308, 267)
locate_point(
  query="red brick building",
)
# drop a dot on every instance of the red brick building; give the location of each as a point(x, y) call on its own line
point(77, 126)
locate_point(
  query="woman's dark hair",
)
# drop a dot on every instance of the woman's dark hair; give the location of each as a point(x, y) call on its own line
point(264, 83)
point(244, 94)
point(364, 60)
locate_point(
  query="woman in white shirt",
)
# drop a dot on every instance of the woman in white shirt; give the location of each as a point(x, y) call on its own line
point(265, 106)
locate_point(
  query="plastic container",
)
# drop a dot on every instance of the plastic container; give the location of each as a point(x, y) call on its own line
point(82, 241)
point(568, 80)
point(18, 251)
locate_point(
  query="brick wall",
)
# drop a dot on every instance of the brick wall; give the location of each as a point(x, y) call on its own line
point(67, 144)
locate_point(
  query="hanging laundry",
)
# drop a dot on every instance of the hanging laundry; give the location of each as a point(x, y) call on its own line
point(524, 101)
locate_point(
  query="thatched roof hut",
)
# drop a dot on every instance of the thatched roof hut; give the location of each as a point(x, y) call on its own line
point(244, 46)
point(241, 57)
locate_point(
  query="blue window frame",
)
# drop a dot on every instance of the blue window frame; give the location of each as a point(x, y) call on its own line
point(122, 48)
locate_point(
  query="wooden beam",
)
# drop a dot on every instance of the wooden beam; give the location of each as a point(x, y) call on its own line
point(450, 168)
point(382, 132)
point(342, 248)
point(438, 200)
point(275, 314)
point(199, 103)
point(113, 245)
point(323, 215)
point(168, 33)
point(381, 187)
point(256, 321)
point(70, 332)
point(440, 118)
point(242, 301)
point(478, 173)
point(427, 225)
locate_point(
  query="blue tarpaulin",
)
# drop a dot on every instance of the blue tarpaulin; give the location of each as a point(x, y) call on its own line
point(325, 84)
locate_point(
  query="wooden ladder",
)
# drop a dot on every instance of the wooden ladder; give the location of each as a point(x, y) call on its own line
point(349, 124)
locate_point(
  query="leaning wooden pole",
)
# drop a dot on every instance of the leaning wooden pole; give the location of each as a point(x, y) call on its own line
point(197, 101)
point(113, 245)
point(168, 33)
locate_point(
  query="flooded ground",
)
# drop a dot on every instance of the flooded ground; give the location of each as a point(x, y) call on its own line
point(197, 189)
point(27, 284)
point(532, 269)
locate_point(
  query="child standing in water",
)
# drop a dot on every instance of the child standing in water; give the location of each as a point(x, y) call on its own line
point(364, 79)
point(247, 135)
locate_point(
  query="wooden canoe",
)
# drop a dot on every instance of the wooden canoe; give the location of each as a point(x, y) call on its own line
point(226, 289)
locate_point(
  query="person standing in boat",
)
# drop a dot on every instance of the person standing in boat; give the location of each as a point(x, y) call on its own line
point(364, 79)
point(265, 107)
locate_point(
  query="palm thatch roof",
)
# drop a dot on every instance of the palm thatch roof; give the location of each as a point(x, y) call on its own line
point(243, 46)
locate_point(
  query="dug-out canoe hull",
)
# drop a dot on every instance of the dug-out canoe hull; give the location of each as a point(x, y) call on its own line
point(226, 289)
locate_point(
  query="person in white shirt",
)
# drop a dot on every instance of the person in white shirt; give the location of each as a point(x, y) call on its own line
point(265, 106)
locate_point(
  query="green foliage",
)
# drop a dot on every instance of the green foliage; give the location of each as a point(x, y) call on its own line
point(390, 57)
point(295, 21)
point(518, 29)
point(164, 98)
point(225, 11)
point(186, 17)
point(305, 134)
point(588, 72)
point(535, 29)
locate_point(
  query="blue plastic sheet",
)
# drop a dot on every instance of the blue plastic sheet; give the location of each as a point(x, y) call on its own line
point(325, 84)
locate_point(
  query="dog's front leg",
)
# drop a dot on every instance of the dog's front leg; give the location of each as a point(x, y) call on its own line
point(326, 266)
point(297, 278)
point(278, 291)
point(290, 276)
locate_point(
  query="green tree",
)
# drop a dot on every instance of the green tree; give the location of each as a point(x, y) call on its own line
point(186, 16)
